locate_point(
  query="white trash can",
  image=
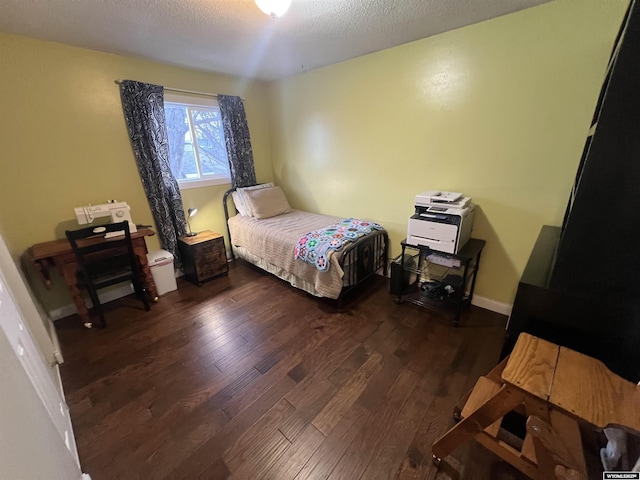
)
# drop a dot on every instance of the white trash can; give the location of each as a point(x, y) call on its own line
point(161, 264)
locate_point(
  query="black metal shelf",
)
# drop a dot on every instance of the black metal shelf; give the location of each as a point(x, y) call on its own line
point(436, 280)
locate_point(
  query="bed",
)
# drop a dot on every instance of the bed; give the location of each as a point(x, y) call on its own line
point(265, 230)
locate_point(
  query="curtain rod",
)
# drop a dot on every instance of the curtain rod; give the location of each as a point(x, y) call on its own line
point(181, 90)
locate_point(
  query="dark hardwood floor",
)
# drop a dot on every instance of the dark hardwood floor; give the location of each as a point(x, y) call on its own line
point(249, 378)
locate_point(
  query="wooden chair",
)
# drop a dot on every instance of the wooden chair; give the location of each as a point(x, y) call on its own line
point(103, 262)
point(555, 389)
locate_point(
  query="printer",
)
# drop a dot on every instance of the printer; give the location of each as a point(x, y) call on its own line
point(442, 221)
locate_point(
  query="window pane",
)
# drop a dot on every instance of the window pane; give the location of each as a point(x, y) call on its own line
point(197, 150)
point(207, 126)
point(181, 155)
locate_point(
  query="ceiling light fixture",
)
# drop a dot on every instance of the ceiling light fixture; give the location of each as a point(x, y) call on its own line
point(275, 8)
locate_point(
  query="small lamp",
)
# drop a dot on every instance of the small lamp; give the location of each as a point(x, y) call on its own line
point(191, 213)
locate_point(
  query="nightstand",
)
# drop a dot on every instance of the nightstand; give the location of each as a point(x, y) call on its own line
point(203, 256)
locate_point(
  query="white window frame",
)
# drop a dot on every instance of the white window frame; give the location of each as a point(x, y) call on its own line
point(197, 101)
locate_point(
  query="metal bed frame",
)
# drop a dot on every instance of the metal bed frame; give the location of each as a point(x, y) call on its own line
point(360, 255)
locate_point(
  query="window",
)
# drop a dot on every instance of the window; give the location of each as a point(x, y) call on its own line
point(197, 150)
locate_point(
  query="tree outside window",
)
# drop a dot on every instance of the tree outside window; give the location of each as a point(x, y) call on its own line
point(197, 150)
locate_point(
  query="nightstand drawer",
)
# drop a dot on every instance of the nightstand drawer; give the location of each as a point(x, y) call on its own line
point(211, 259)
point(203, 256)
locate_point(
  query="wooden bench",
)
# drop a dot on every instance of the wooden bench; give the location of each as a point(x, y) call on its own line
point(555, 389)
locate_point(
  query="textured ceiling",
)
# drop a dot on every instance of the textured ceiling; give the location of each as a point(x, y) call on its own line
point(235, 37)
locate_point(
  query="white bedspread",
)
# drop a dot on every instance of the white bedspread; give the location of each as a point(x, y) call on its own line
point(274, 239)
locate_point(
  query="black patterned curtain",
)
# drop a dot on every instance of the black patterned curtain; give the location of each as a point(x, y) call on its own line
point(236, 132)
point(143, 106)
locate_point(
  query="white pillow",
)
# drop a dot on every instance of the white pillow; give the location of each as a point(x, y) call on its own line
point(267, 202)
point(241, 204)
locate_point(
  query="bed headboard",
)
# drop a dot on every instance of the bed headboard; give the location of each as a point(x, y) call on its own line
point(225, 199)
point(225, 205)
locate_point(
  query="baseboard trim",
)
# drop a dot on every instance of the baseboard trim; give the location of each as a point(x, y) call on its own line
point(478, 301)
point(493, 305)
point(70, 309)
point(116, 293)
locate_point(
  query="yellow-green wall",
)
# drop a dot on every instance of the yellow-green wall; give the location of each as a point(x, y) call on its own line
point(64, 143)
point(497, 110)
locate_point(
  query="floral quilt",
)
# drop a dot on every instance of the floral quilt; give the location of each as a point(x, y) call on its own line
point(316, 246)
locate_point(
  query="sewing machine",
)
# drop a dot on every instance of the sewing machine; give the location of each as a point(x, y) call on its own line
point(118, 211)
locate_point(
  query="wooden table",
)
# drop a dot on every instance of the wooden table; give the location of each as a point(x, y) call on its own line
point(555, 389)
point(59, 253)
